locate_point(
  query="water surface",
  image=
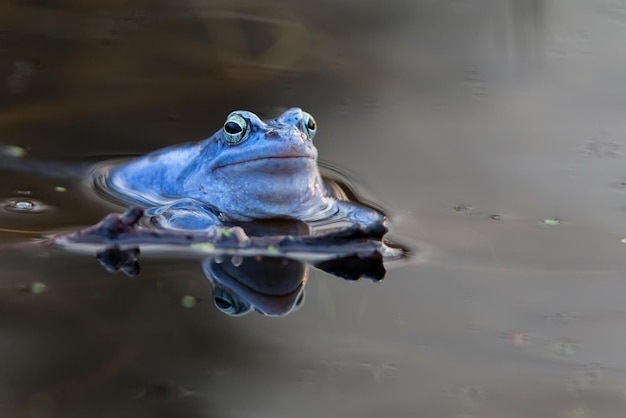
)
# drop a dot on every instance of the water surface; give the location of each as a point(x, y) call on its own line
point(491, 131)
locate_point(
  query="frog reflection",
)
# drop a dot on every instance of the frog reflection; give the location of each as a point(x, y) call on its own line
point(271, 286)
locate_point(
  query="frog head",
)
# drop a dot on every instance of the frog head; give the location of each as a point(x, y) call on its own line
point(265, 168)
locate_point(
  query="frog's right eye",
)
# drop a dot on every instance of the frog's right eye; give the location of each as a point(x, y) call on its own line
point(235, 129)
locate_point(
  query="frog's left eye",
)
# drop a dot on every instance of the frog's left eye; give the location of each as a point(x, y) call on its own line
point(235, 129)
point(308, 125)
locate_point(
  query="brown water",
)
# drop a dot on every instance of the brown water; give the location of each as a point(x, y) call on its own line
point(446, 112)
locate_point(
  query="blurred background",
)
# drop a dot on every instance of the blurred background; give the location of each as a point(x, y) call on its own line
point(492, 132)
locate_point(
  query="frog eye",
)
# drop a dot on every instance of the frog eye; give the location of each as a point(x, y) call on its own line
point(227, 304)
point(235, 129)
point(308, 125)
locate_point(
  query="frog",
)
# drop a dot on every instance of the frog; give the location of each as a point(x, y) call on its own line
point(249, 170)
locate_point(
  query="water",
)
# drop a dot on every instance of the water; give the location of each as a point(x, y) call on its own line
point(446, 112)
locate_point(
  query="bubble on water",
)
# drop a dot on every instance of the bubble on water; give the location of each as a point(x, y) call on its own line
point(236, 260)
point(219, 259)
point(23, 205)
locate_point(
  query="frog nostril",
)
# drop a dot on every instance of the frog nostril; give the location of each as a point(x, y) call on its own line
point(271, 134)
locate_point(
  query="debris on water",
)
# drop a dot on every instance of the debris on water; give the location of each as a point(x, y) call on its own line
point(579, 411)
point(203, 246)
point(462, 208)
point(496, 217)
point(13, 151)
point(60, 189)
point(563, 347)
point(188, 301)
point(164, 391)
point(36, 288)
point(601, 145)
point(471, 395)
point(518, 339)
point(552, 221)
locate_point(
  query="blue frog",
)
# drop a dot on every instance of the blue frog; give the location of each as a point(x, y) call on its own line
point(251, 169)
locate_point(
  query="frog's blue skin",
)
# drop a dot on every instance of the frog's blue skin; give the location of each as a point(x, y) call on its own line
point(250, 169)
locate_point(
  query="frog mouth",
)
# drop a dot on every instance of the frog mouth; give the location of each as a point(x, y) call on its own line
point(252, 160)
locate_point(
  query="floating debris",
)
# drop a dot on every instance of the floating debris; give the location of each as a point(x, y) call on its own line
point(552, 221)
point(563, 347)
point(203, 246)
point(462, 208)
point(36, 288)
point(60, 189)
point(188, 301)
point(164, 391)
point(12, 151)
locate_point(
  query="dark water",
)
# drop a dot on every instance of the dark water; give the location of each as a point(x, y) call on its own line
point(491, 130)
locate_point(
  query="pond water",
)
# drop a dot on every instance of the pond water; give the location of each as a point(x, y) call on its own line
point(491, 131)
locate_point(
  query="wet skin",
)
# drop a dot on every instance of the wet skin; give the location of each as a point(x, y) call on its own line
point(249, 170)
